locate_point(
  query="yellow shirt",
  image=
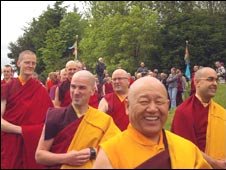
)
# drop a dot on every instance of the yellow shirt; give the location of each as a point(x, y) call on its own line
point(130, 149)
point(95, 128)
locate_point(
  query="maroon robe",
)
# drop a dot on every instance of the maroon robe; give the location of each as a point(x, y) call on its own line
point(94, 100)
point(64, 93)
point(193, 90)
point(159, 161)
point(117, 110)
point(26, 107)
point(108, 88)
point(61, 124)
point(190, 121)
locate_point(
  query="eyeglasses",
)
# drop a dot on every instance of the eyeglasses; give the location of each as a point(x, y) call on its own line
point(209, 79)
point(119, 78)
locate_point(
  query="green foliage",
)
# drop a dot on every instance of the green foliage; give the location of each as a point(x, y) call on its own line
point(127, 32)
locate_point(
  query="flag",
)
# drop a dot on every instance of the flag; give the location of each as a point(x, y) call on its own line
point(186, 55)
point(187, 61)
point(187, 71)
point(75, 52)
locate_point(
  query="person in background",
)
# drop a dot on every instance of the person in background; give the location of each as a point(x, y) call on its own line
point(100, 70)
point(24, 102)
point(221, 73)
point(192, 91)
point(145, 144)
point(114, 103)
point(7, 74)
point(203, 121)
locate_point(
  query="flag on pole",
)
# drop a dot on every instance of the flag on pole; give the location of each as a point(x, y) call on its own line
point(75, 49)
point(187, 61)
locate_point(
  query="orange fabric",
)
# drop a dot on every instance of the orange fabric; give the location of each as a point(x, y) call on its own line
point(130, 148)
point(216, 132)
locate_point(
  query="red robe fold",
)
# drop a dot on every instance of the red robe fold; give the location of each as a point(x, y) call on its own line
point(116, 109)
point(26, 107)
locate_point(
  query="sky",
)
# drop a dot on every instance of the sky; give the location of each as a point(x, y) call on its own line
point(15, 15)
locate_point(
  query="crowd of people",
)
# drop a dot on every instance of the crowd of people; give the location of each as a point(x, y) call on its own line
point(80, 120)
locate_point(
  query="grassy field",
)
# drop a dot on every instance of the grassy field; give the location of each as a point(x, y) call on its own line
point(220, 98)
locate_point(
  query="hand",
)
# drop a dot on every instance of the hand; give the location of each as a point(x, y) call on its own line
point(219, 164)
point(78, 158)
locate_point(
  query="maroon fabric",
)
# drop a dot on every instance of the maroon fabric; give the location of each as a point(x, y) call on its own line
point(117, 110)
point(179, 98)
point(94, 101)
point(159, 161)
point(26, 107)
point(108, 88)
point(65, 122)
point(193, 90)
point(64, 93)
point(190, 121)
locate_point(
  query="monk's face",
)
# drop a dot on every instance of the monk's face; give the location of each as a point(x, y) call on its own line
point(148, 107)
point(206, 86)
point(80, 90)
point(27, 64)
point(120, 81)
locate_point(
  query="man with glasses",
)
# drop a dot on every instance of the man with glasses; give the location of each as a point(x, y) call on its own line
point(202, 121)
point(114, 103)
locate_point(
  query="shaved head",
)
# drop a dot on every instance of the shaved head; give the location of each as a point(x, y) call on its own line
point(202, 72)
point(84, 74)
point(147, 82)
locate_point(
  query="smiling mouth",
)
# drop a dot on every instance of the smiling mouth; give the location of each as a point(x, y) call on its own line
point(151, 118)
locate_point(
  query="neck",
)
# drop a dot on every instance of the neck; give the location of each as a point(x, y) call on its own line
point(202, 99)
point(24, 78)
point(80, 110)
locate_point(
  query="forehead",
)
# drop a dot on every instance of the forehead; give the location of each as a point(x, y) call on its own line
point(209, 73)
point(28, 57)
point(119, 73)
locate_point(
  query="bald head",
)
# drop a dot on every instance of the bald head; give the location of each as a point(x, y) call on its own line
point(147, 83)
point(120, 72)
point(203, 71)
point(84, 74)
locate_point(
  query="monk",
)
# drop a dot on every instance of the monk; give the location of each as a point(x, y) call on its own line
point(24, 102)
point(71, 135)
point(62, 94)
point(202, 121)
point(114, 103)
point(7, 74)
point(145, 144)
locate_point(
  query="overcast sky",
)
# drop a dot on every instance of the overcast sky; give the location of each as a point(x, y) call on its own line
point(15, 15)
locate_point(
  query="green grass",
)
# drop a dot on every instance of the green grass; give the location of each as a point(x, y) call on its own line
point(220, 98)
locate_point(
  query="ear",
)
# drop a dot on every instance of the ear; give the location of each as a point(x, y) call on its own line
point(126, 106)
point(18, 63)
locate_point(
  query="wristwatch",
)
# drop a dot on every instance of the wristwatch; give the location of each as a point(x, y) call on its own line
point(93, 153)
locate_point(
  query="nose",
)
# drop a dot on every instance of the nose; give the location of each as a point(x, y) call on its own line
point(152, 107)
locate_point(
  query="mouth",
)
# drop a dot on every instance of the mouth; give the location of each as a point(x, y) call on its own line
point(151, 118)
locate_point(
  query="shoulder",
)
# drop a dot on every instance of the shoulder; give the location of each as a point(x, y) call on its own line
point(179, 142)
point(55, 114)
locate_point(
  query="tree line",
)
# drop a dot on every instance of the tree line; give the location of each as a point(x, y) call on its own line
point(125, 33)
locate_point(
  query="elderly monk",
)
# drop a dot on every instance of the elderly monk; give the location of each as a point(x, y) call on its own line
point(202, 121)
point(24, 102)
point(72, 134)
point(114, 103)
point(145, 144)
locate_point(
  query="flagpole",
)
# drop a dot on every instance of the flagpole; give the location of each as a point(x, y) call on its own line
point(187, 61)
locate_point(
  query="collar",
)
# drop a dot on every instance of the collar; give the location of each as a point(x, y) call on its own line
point(143, 140)
point(21, 80)
point(200, 99)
